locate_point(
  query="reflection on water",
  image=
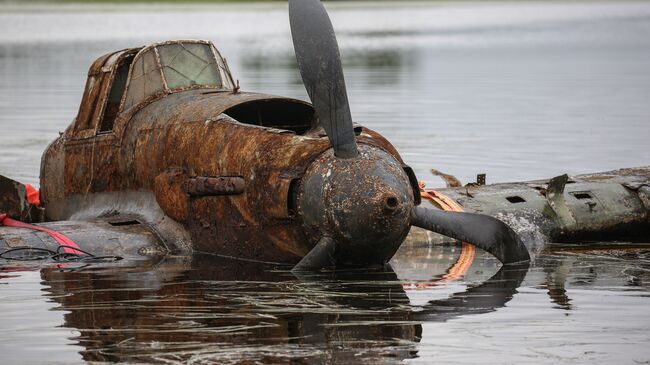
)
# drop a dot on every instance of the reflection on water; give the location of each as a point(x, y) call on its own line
point(207, 309)
point(519, 91)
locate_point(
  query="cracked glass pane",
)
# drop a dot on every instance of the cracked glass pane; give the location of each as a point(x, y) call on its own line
point(226, 78)
point(188, 64)
point(145, 79)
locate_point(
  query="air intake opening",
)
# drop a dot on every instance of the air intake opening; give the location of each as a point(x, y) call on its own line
point(515, 199)
point(123, 223)
point(582, 195)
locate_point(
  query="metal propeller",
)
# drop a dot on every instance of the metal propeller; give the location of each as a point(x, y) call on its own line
point(484, 232)
point(319, 61)
point(322, 255)
point(317, 52)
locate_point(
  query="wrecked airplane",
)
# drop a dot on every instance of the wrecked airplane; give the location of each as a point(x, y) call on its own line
point(168, 155)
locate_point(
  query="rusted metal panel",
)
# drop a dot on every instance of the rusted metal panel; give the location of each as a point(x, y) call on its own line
point(369, 221)
point(235, 224)
point(191, 106)
point(53, 171)
point(171, 195)
point(223, 185)
point(12, 199)
point(98, 84)
point(91, 93)
point(557, 202)
point(281, 203)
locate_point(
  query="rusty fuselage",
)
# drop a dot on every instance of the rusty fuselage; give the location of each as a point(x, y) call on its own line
point(205, 167)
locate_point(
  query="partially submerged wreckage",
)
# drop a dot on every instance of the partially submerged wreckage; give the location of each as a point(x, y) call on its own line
point(600, 207)
point(166, 154)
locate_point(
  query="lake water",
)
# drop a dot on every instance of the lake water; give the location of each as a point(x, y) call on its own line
point(516, 90)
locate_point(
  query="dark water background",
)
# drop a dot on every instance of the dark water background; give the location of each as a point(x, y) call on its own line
point(516, 90)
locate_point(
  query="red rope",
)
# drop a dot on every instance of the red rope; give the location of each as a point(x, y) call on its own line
point(68, 245)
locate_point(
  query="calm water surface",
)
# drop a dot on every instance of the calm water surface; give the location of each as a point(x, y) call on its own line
point(519, 91)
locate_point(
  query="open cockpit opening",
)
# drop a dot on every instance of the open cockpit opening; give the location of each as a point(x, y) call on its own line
point(285, 114)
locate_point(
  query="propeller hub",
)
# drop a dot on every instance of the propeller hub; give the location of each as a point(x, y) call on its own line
point(364, 204)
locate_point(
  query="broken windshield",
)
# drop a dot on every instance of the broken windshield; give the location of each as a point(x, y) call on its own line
point(189, 64)
point(172, 66)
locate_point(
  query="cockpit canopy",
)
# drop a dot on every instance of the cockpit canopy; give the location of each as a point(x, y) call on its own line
point(173, 66)
point(121, 80)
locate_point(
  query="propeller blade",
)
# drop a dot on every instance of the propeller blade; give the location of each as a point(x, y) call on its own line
point(485, 232)
point(485, 298)
point(322, 255)
point(317, 52)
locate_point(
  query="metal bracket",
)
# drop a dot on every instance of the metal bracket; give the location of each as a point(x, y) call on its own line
point(215, 185)
point(480, 179)
point(450, 180)
point(555, 198)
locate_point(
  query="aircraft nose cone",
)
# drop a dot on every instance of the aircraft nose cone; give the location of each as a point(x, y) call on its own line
point(364, 204)
point(391, 203)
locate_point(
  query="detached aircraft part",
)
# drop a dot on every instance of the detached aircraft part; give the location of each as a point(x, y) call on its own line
point(598, 207)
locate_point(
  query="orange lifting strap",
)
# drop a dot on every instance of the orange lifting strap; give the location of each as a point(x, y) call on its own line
point(467, 251)
point(33, 197)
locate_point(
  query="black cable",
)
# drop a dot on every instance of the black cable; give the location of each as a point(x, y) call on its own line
point(50, 253)
point(73, 248)
point(57, 255)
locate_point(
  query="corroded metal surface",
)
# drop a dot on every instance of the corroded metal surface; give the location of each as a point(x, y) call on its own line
point(370, 220)
point(98, 85)
point(12, 199)
point(599, 206)
point(123, 237)
point(223, 185)
point(557, 201)
point(15, 204)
